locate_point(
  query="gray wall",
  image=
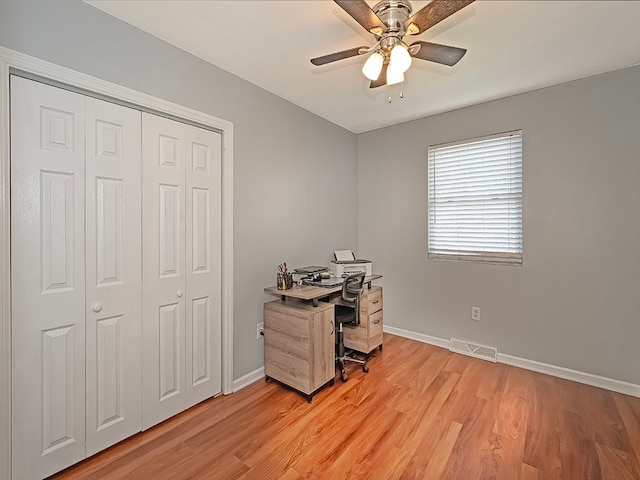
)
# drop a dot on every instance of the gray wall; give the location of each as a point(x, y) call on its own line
point(575, 302)
point(286, 159)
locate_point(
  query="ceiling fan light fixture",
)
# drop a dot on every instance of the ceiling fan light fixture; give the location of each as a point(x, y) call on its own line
point(373, 66)
point(394, 75)
point(391, 22)
point(400, 58)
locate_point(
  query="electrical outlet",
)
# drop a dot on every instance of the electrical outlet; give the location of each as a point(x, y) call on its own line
point(260, 330)
point(475, 314)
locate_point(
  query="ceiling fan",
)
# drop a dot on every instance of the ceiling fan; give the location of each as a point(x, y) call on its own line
point(390, 21)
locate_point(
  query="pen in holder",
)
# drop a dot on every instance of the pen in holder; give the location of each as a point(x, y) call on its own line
point(284, 279)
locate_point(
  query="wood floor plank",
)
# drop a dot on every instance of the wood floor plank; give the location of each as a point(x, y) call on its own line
point(423, 446)
point(424, 373)
point(616, 465)
point(391, 465)
point(466, 457)
point(529, 473)
point(290, 474)
point(339, 440)
point(291, 437)
point(630, 420)
point(420, 412)
point(355, 457)
point(171, 463)
point(441, 454)
point(542, 444)
point(609, 430)
point(473, 376)
point(417, 425)
point(504, 450)
point(513, 413)
point(494, 376)
point(577, 448)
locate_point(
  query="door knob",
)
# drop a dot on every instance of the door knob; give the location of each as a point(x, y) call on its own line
point(179, 293)
point(96, 307)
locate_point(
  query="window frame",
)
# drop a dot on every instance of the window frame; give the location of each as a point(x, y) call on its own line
point(477, 255)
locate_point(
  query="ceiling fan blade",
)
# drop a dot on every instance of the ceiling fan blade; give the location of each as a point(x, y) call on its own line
point(361, 12)
point(382, 79)
point(434, 12)
point(434, 52)
point(333, 57)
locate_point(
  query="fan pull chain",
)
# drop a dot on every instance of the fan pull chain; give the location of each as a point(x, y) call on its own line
point(401, 91)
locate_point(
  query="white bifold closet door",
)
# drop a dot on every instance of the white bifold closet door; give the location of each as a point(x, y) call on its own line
point(181, 266)
point(47, 277)
point(113, 274)
point(76, 324)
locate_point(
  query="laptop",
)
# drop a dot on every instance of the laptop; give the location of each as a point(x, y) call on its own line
point(309, 270)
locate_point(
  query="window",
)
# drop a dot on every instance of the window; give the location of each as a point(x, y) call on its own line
point(475, 199)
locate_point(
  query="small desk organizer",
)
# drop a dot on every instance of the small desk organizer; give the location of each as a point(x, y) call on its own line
point(284, 280)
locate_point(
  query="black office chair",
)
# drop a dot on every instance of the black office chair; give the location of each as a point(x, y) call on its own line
point(348, 313)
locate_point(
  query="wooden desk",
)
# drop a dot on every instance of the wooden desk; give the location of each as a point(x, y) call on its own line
point(310, 292)
point(299, 334)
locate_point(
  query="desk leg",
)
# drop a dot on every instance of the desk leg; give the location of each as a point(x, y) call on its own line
point(314, 302)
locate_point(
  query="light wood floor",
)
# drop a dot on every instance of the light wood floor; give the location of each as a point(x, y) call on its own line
point(421, 412)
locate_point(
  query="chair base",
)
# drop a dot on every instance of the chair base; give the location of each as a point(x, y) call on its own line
point(342, 356)
point(341, 361)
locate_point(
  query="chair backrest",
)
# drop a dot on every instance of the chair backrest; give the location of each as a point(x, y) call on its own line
point(352, 288)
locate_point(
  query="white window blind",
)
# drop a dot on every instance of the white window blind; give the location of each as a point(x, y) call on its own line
point(475, 199)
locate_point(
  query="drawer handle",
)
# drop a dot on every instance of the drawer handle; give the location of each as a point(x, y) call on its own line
point(376, 321)
point(376, 301)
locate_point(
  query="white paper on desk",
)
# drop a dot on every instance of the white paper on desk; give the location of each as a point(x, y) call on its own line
point(344, 255)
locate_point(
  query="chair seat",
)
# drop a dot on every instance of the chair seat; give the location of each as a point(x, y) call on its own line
point(344, 315)
point(349, 315)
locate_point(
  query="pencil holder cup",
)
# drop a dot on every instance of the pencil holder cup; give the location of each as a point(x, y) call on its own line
point(284, 280)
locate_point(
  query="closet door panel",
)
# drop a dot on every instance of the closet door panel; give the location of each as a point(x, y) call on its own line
point(113, 281)
point(203, 276)
point(163, 268)
point(169, 338)
point(47, 277)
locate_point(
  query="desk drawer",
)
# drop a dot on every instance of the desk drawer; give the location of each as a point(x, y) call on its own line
point(375, 329)
point(374, 300)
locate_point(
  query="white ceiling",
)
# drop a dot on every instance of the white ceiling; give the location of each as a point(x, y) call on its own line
point(513, 47)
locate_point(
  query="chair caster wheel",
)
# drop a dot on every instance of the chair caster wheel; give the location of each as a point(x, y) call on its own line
point(365, 369)
point(267, 379)
point(343, 377)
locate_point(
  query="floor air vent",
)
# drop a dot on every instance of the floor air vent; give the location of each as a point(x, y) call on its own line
point(473, 350)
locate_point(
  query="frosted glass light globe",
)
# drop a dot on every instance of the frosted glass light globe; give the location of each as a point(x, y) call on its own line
point(400, 58)
point(373, 66)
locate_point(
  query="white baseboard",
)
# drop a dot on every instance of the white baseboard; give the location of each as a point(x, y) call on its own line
point(248, 379)
point(553, 370)
point(420, 337)
point(574, 375)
